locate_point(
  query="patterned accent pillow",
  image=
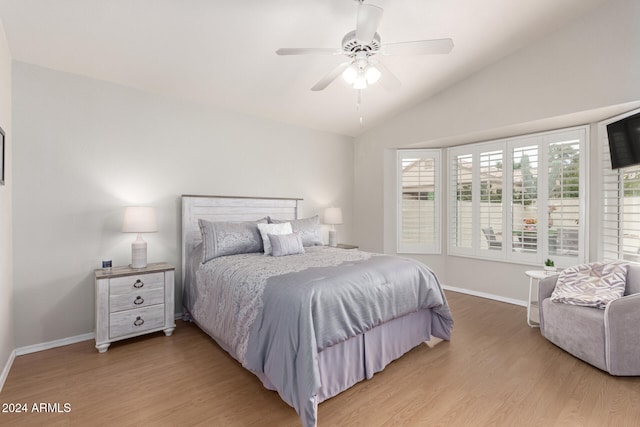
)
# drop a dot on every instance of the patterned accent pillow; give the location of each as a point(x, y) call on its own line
point(286, 244)
point(266, 229)
point(230, 238)
point(309, 229)
point(591, 285)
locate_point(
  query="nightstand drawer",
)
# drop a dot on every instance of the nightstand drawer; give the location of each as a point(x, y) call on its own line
point(138, 299)
point(135, 283)
point(136, 321)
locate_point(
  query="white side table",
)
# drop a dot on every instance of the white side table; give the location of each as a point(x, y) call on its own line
point(536, 275)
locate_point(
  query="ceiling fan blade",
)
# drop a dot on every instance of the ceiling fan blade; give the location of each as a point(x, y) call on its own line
point(307, 51)
point(388, 80)
point(420, 47)
point(369, 17)
point(333, 74)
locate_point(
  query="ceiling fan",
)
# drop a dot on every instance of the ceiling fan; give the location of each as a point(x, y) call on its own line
point(361, 45)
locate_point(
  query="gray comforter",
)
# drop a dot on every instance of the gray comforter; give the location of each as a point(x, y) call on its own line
point(275, 314)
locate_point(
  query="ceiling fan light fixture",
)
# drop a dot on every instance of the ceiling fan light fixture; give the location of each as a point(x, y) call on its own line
point(350, 74)
point(362, 44)
point(360, 82)
point(372, 74)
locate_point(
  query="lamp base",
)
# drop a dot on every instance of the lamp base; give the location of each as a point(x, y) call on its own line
point(333, 238)
point(139, 253)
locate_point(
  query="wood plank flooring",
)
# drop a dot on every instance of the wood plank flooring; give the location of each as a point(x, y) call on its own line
point(496, 371)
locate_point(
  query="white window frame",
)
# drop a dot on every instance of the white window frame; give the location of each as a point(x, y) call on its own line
point(506, 253)
point(423, 248)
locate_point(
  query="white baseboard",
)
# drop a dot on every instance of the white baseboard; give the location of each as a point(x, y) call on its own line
point(61, 342)
point(53, 344)
point(485, 295)
point(7, 368)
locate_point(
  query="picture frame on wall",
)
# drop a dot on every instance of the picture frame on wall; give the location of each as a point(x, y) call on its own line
point(1, 156)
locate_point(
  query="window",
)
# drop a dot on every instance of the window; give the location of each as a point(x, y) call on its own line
point(462, 197)
point(620, 231)
point(564, 198)
point(524, 205)
point(490, 206)
point(503, 206)
point(418, 204)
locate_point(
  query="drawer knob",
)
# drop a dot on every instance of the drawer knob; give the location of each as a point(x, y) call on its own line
point(139, 321)
point(139, 283)
point(139, 300)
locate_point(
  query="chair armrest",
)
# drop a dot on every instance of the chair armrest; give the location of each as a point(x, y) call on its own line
point(545, 289)
point(622, 335)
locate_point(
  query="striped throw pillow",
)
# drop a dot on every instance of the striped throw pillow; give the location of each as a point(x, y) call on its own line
point(592, 285)
point(286, 244)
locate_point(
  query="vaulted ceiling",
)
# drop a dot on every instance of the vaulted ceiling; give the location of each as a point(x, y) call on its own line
point(222, 52)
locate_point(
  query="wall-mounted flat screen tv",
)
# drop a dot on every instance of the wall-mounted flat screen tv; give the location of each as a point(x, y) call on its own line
point(624, 142)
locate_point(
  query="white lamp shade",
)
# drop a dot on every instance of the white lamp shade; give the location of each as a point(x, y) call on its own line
point(140, 219)
point(333, 216)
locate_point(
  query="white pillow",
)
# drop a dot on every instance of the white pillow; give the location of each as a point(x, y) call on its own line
point(591, 285)
point(275, 229)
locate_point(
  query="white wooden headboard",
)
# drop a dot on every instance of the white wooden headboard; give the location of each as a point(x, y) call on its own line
point(225, 208)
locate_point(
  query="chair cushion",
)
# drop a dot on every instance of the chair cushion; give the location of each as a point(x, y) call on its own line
point(592, 285)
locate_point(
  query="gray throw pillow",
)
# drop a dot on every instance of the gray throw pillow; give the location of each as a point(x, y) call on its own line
point(230, 238)
point(286, 244)
point(309, 229)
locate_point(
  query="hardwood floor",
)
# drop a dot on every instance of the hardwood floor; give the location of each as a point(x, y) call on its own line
point(496, 371)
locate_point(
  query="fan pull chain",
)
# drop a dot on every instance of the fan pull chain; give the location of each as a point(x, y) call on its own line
point(358, 105)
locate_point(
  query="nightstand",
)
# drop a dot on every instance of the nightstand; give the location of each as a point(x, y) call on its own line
point(133, 301)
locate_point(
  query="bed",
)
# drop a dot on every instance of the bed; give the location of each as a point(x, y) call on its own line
point(308, 320)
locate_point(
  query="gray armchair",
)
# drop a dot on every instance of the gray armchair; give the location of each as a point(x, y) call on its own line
point(608, 339)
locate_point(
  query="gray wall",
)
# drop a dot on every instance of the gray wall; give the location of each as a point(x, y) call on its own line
point(86, 149)
point(6, 239)
point(582, 72)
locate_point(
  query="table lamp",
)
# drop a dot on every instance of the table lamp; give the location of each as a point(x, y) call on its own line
point(139, 219)
point(333, 216)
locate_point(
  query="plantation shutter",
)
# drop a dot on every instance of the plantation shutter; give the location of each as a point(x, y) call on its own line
point(520, 199)
point(418, 204)
point(490, 201)
point(524, 213)
point(461, 178)
point(564, 191)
